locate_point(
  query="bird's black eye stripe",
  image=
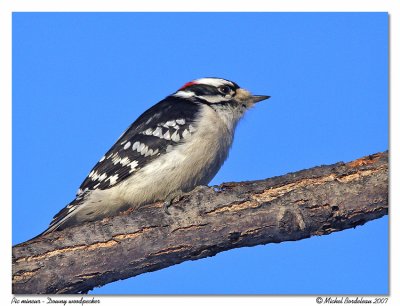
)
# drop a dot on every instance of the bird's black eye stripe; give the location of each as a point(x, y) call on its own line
point(225, 89)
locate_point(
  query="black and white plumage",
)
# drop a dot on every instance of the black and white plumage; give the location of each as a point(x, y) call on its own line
point(176, 145)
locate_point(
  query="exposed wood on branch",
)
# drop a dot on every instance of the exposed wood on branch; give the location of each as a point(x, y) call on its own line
point(294, 206)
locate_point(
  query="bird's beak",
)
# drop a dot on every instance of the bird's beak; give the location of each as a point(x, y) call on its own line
point(256, 99)
point(244, 96)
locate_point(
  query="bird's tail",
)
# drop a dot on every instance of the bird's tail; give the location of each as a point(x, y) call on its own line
point(60, 219)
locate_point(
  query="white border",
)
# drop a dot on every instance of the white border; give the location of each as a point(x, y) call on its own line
point(9, 6)
point(204, 5)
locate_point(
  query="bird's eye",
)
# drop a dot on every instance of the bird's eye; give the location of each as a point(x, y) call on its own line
point(224, 89)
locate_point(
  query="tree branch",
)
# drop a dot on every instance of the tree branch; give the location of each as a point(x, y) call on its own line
point(294, 206)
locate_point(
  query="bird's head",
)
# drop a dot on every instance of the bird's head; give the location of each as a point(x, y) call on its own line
point(216, 91)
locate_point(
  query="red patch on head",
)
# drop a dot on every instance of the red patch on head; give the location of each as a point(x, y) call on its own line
point(187, 85)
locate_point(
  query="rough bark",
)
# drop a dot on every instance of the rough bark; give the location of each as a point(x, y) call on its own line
point(294, 206)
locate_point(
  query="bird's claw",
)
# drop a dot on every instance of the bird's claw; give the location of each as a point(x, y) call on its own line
point(166, 205)
point(171, 199)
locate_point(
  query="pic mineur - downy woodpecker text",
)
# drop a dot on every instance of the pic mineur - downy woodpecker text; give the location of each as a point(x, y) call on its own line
point(174, 146)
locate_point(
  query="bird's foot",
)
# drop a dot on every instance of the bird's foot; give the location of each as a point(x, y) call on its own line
point(176, 197)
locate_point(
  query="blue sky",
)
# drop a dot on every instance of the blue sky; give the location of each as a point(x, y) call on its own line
point(80, 79)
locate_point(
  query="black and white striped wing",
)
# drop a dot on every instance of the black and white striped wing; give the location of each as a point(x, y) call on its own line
point(153, 134)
